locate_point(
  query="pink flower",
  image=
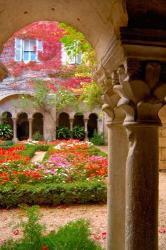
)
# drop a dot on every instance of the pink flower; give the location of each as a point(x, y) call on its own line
point(103, 235)
point(16, 232)
point(162, 230)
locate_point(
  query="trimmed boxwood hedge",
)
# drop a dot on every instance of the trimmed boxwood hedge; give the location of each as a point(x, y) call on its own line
point(30, 149)
point(53, 194)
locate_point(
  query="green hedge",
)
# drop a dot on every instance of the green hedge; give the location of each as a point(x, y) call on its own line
point(6, 144)
point(92, 150)
point(30, 149)
point(53, 194)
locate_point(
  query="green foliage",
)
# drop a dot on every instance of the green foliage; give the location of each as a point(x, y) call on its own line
point(92, 150)
point(50, 193)
point(78, 133)
point(66, 98)
point(76, 43)
point(74, 235)
point(91, 95)
point(37, 136)
point(63, 133)
point(44, 100)
point(6, 131)
point(6, 144)
point(41, 99)
point(97, 139)
point(30, 149)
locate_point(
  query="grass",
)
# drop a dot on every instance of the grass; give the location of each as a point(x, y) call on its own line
point(73, 236)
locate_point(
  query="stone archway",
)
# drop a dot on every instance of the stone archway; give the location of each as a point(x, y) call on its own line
point(78, 120)
point(22, 126)
point(143, 41)
point(92, 124)
point(37, 125)
point(64, 120)
point(6, 118)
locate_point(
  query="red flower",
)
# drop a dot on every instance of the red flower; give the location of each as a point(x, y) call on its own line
point(44, 248)
point(16, 232)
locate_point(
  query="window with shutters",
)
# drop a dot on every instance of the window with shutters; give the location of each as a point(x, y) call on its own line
point(27, 50)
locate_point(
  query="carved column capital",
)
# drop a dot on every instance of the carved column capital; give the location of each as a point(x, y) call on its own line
point(110, 100)
point(142, 91)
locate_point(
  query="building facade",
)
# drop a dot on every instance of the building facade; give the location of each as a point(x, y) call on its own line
point(36, 53)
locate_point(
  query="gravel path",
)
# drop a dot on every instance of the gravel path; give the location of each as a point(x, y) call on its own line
point(39, 155)
point(96, 214)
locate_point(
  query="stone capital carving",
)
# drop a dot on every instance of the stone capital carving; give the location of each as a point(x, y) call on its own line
point(141, 91)
point(110, 100)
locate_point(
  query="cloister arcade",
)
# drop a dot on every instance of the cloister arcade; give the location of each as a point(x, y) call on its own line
point(130, 42)
point(25, 124)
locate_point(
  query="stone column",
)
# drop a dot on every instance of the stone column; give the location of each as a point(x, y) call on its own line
point(71, 123)
point(86, 128)
point(141, 99)
point(117, 153)
point(30, 128)
point(142, 187)
point(14, 129)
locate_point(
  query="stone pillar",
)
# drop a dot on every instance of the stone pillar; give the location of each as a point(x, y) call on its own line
point(71, 123)
point(142, 187)
point(141, 99)
point(86, 128)
point(117, 154)
point(14, 129)
point(99, 125)
point(30, 128)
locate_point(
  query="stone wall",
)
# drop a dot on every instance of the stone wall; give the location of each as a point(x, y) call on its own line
point(162, 140)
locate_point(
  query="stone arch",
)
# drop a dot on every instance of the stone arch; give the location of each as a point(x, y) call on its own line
point(92, 124)
point(78, 120)
point(97, 26)
point(64, 120)
point(37, 123)
point(22, 126)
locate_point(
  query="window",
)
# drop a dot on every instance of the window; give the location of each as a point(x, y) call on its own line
point(27, 50)
point(72, 59)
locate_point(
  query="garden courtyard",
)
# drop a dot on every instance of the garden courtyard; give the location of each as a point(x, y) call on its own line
point(77, 174)
point(75, 76)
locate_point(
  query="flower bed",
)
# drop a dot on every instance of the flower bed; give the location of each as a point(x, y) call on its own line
point(72, 164)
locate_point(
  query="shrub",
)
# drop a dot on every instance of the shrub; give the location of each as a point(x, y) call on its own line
point(6, 131)
point(63, 133)
point(45, 193)
point(30, 149)
point(6, 144)
point(78, 133)
point(74, 235)
point(97, 139)
point(37, 136)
